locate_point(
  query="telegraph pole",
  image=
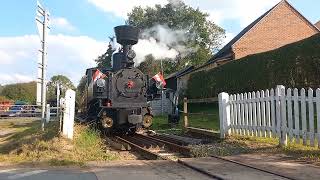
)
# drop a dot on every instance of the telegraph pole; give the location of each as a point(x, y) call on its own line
point(42, 20)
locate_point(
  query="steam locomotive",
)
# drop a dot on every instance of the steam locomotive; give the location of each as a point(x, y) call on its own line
point(116, 98)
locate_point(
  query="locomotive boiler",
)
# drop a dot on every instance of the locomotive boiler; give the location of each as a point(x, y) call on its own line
point(116, 98)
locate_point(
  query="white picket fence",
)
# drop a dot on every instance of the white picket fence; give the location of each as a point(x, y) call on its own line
point(285, 114)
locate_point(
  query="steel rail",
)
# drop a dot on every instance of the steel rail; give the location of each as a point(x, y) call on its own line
point(154, 156)
point(172, 146)
point(252, 167)
point(146, 153)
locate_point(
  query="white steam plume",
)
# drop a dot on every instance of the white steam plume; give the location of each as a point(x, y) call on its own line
point(163, 42)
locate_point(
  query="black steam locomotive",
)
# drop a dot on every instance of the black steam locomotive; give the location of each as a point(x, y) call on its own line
point(116, 98)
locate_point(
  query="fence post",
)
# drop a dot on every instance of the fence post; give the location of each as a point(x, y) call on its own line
point(282, 121)
point(48, 113)
point(68, 114)
point(185, 112)
point(224, 114)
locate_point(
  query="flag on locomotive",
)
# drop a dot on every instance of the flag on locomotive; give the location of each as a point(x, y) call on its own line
point(160, 82)
point(98, 75)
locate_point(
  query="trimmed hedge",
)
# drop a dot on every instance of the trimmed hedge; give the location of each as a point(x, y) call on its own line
point(295, 65)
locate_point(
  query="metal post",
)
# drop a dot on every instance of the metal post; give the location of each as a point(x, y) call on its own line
point(43, 76)
point(43, 28)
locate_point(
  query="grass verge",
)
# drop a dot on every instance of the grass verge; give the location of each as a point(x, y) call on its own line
point(207, 117)
point(160, 124)
point(25, 143)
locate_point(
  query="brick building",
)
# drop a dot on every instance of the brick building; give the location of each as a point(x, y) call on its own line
point(279, 26)
point(318, 25)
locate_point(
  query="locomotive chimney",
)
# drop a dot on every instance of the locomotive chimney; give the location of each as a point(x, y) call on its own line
point(127, 36)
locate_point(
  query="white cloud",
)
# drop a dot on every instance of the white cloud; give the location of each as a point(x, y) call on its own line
point(121, 8)
point(61, 24)
point(5, 58)
point(68, 55)
point(14, 78)
point(243, 11)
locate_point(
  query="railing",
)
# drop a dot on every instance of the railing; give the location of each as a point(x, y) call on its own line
point(8, 111)
point(285, 114)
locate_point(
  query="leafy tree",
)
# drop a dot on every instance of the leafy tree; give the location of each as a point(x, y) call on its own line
point(64, 82)
point(150, 66)
point(105, 59)
point(176, 15)
point(81, 89)
point(1, 88)
point(3, 98)
point(82, 84)
point(20, 91)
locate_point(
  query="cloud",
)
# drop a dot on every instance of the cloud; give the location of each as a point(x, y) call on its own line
point(61, 23)
point(14, 78)
point(67, 55)
point(243, 11)
point(5, 58)
point(121, 8)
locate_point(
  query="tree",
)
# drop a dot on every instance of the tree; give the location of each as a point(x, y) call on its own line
point(20, 92)
point(1, 88)
point(3, 98)
point(63, 81)
point(80, 90)
point(105, 59)
point(149, 66)
point(176, 15)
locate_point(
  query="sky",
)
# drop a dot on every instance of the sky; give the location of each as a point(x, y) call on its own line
point(80, 30)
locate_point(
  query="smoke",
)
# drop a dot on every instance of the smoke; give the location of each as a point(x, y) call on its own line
point(163, 42)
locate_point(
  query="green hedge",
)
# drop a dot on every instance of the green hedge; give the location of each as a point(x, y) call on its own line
point(294, 65)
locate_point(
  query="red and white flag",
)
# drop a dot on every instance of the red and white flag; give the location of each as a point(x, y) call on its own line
point(159, 79)
point(98, 75)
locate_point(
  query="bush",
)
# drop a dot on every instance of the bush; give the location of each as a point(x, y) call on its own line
point(295, 65)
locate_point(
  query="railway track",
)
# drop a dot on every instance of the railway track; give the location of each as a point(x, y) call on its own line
point(164, 148)
point(155, 147)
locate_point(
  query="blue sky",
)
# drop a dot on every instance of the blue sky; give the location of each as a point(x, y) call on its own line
point(80, 30)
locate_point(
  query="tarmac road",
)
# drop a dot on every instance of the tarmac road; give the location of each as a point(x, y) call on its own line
point(280, 167)
point(126, 170)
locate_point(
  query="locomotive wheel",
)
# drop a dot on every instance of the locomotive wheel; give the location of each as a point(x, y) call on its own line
point(147, 121)
point(107, 122)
